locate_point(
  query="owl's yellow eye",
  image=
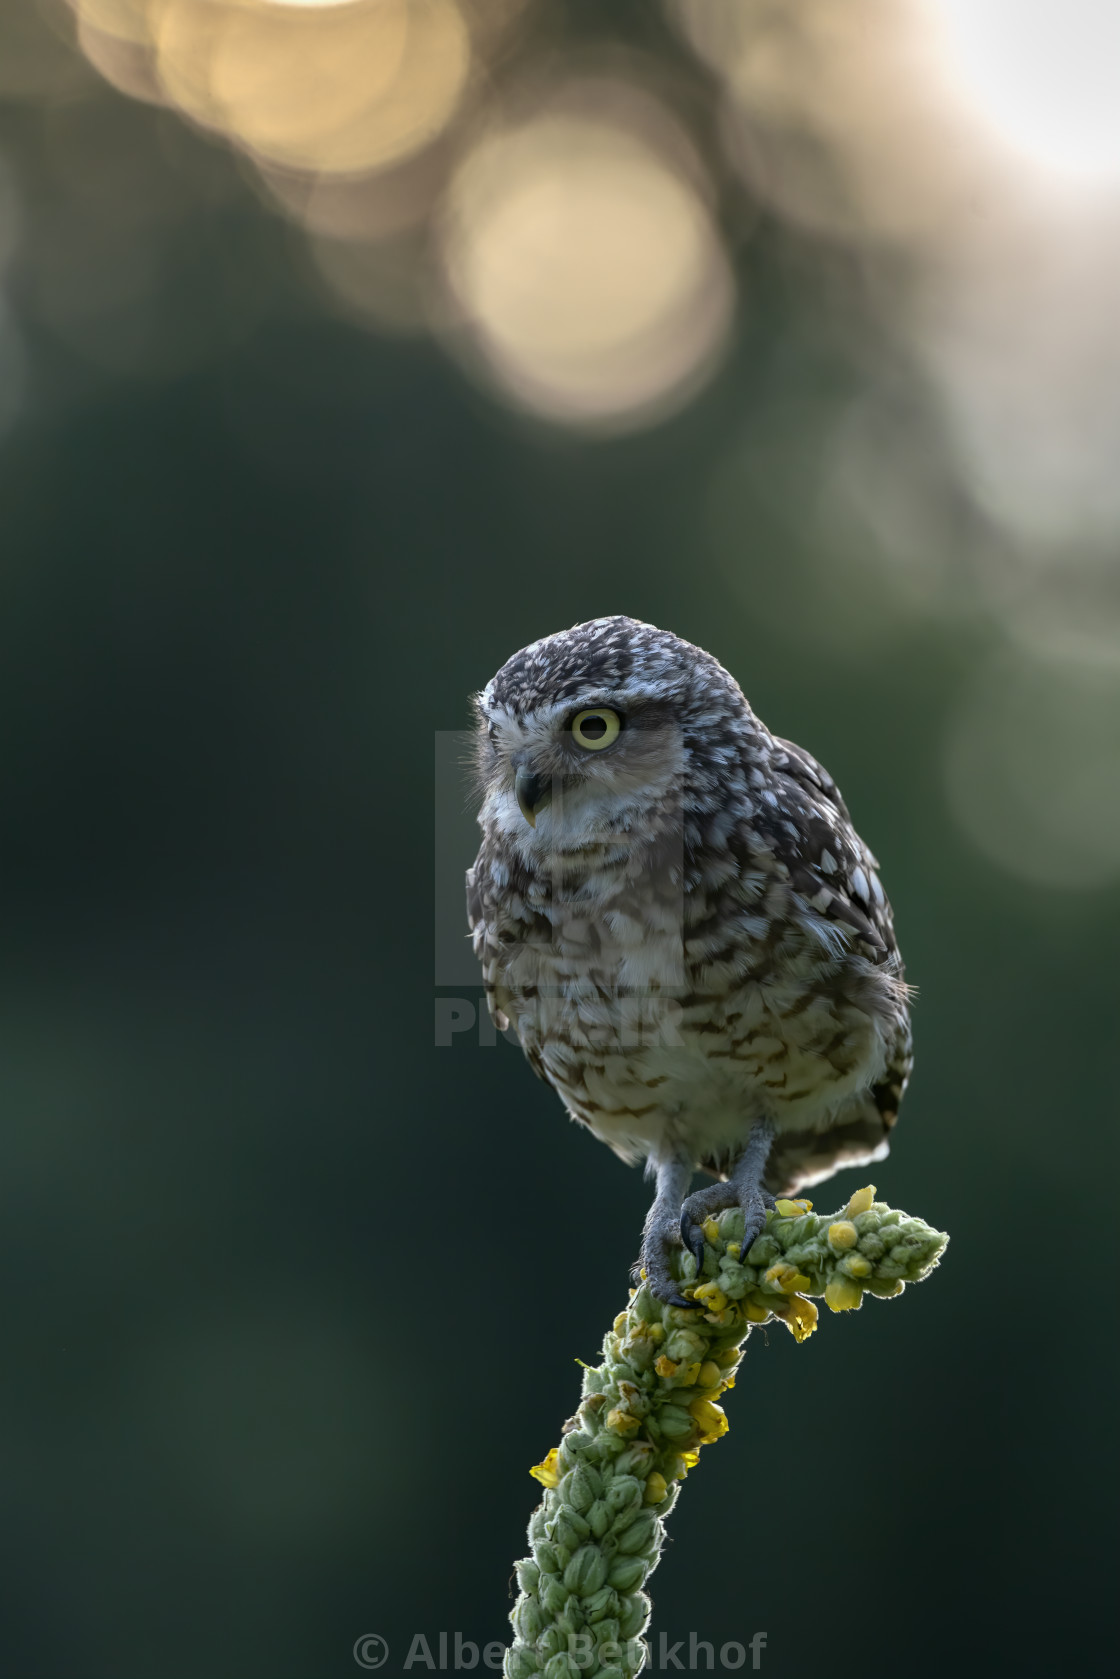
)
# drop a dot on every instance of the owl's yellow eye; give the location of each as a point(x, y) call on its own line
point(596, 729)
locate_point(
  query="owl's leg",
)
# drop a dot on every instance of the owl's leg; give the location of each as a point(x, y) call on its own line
point(662, 1230)
point(743, 1188)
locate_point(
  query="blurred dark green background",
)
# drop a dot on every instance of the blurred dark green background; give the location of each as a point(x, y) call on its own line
point(291, 1296)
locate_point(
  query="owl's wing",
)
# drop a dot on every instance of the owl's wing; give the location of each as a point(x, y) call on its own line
point(484, 937)
point(803, 821)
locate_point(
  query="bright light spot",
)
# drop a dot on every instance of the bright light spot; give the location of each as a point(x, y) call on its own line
point(1044, 74)
point(1033, 771)
point(587, 263)
point(344, 88)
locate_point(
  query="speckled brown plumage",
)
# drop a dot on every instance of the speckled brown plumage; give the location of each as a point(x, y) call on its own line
point(692, 941)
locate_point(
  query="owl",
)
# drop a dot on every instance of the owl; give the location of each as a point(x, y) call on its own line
point(677, 920)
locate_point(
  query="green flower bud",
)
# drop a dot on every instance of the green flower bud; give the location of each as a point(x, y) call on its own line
point(763, 1252)
point(553, 1595)
point(570, 1529)
point(640, 1536)
point(548, 1560)
point(561, 1666)
point(684, 1346)
point(570, 1619)
point(627, 1572)
point(578, 1489)
point(633, 1616)
point(634, 1459)
point(623, 1496)
point(675, 1423)
point(578, 1444)
point(520, 1663)
point(528, 1619)
point(601, 1604)
point(528, 1574)
point(587, 1571)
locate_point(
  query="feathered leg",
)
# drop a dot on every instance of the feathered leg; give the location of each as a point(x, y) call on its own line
point(662, 1231)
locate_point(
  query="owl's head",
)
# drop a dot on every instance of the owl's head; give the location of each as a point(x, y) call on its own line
point(603, 731)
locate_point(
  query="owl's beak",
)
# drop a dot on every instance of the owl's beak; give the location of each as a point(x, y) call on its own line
point(532, 795)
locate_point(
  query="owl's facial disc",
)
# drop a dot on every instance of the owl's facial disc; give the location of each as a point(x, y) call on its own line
point(591, 730)
point(587, 769)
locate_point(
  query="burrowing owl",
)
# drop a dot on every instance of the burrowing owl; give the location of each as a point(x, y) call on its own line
point(676, 917)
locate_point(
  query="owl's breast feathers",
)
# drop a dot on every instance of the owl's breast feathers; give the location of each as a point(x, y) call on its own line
point(670, 1001)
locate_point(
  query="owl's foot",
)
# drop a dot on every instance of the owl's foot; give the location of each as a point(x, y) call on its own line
point(706, 1203)
point(743, 1188)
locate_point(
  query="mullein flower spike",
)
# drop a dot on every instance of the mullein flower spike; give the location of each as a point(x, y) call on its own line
point(646, 1411)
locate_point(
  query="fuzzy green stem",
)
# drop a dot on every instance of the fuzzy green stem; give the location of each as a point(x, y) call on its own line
point(646, 1411)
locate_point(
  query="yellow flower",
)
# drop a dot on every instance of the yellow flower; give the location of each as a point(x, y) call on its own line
point(858, 1265)
point(665, 1366)
point(793, 1209)
point(711, 1231)
point(546, 1473)
point(709, 1374)
point(799, 1316)
point(860, 1202)
point(639, 1342)
point(689, 1374)
point(843, 1295)
point(734, 1250)
point(842, 1235)
point(755, 1312)
point(619, 1323)
point(656, 1488)
point(622, 1422)
point(787, 1277)
point(711, 1418)
point(713, 1298)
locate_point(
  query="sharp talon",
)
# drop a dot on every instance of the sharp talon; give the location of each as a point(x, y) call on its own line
point(693, 1238)
point(678, 1300)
